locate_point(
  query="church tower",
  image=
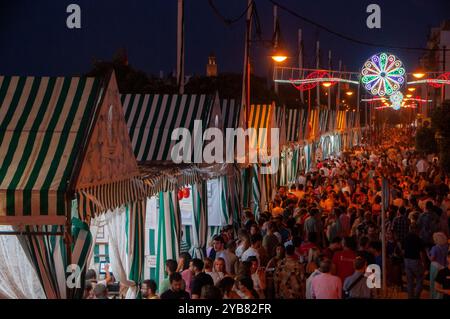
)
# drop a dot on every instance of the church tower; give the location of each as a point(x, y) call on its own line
point(211, 67)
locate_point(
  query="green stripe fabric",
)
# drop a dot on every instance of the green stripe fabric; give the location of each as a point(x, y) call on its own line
point(167, 244)
point(230, 113)
point(199, 220)
point(256, 192)
point(151, 120)
point(43, 121)
point(47, 254)
point(136, 237)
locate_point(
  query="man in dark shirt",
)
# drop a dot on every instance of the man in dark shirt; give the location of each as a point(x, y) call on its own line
point(443, 280)
point(176, 288)
point(200, 278)
point(400, 225)
point(413, 252)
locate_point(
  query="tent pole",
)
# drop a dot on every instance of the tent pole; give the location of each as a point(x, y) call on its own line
point(19, 233)
point(383, 238)
point(68, 239)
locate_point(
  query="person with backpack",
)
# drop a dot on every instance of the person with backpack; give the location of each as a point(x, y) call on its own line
point(355, 286)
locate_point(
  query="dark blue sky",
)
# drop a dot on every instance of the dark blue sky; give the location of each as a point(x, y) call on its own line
point(34, 39)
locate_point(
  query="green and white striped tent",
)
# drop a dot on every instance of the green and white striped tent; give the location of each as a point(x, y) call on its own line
point(262, 185)
point(151, 118)
point(43, 126)
point(294, 117)
point(54, 132)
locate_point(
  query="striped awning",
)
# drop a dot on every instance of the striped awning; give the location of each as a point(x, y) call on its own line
point(341, 120)
point(166, 177)
point(293, 124)
point(151, 120)
point(230, 113)
point(43, 124)
point(96, 200)
point(261, 117)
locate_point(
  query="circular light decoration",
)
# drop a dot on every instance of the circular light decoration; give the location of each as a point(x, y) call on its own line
point(383, 74)
point(396, 99)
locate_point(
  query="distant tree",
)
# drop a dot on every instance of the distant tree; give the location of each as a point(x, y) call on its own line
point(129, 79)
point(440, 120)
point(229, 85)
point(425, 140)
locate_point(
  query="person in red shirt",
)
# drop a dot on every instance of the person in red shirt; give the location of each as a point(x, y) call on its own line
point(343, 260)
point(304, 248)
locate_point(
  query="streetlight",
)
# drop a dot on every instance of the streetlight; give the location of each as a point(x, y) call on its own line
point(349, 93)
point(411, 89)
point(419, 74)
point(279, 56)
point(326, 84)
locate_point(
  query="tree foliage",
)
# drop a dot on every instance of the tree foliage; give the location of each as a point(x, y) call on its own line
point(425, 141)
point(440, 120)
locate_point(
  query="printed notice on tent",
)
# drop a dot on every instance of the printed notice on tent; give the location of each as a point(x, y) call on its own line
point(150, 261)
point(214, 204)
point(152, 212)
point(186, 209)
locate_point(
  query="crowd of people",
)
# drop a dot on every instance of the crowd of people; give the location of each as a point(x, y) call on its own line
point(320, 234)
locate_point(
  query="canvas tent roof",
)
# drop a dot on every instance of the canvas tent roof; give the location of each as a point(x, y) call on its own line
point(263, 118)
point(42, 125)
point(46, 124)
point(151, 118)
point(230, 113)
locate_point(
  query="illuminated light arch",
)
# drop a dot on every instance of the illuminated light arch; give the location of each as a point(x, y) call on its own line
point(312, 80)
point(438, 84)
point(383, 74)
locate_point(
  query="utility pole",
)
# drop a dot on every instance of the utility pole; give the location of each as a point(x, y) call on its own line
point(245, 101)
point(318, 66)
point(300, 60)
point(180, 47)
point(329, 89)
point(444, 56)
point(358, 103)
point(275, 32)
point(338, 96)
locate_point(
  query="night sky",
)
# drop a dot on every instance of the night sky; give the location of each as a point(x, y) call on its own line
point(34, 39)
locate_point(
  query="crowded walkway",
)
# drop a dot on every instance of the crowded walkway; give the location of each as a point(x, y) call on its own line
point(320, 234)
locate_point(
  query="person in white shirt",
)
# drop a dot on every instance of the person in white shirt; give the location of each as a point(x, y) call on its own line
point(302, 179)
point(255, 241)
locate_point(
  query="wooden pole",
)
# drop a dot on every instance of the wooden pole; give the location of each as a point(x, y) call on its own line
point(275, 21)
point(300, 60)
point(318, 66)
point(329, 89)
point(180, 47)
point(383, 236)
point(338, 96)
point(245, 100)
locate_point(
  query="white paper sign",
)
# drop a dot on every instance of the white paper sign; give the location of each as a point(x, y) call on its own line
point(152, 213)
point(186, 209)
point(214, 203)
point(150, 261)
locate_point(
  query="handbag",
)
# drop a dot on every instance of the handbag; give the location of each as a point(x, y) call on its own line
point(347, 291)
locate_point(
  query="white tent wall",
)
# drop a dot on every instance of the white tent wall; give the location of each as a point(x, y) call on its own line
point(18, 278)
point(117, 222)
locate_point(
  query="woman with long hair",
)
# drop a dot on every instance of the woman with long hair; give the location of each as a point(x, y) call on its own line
point(219, 271)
